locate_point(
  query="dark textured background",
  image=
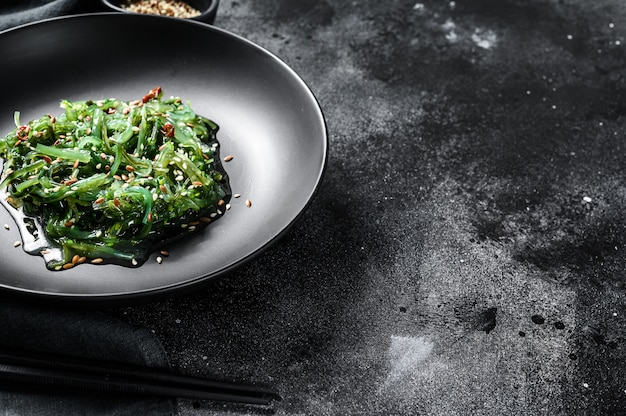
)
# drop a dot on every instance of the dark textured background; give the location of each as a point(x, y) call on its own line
point(465, 253)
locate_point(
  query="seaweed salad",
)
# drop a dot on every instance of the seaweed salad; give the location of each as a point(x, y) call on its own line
point(108, 181)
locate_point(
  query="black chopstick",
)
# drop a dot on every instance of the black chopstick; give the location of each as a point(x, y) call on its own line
point(69, 373)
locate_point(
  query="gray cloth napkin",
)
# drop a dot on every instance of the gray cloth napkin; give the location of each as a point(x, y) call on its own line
point(79, 333)
point(17, 12)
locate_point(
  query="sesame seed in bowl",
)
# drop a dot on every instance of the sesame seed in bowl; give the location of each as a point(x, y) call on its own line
point(172, 8)
point(200, 10)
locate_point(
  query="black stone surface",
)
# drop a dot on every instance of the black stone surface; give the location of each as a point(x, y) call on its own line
point(465, 253)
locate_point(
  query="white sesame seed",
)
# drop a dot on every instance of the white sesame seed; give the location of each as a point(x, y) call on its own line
point(16, 244)
point(159, 259)
point(6, 226)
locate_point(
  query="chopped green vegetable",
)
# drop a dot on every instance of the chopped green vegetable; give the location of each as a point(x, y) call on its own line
point(109, 180)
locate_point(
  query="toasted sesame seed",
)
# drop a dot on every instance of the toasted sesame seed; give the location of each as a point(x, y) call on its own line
point(130, 168)
point(97, 260)
point(75, 258)
point(68, 266)
point(228, 158)
point(173, 8)
point(99, 200)
point(248, 203)
point(164, 253)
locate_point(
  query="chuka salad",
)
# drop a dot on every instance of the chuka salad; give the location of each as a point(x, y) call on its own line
point(107, 181)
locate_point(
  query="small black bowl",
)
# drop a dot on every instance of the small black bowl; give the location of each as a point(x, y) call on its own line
point(207, 8)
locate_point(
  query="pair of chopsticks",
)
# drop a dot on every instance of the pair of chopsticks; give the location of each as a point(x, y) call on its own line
point(20, 369)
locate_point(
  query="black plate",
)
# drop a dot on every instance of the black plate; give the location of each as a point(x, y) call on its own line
point(269, 121)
